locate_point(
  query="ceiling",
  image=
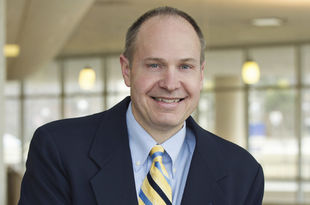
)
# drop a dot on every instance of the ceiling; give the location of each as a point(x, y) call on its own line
point(46, 29)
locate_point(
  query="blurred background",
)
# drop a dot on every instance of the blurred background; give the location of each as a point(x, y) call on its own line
point(61, 60)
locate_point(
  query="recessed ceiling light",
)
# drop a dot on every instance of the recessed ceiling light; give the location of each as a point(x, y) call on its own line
point(11, 50)
point(267, 22)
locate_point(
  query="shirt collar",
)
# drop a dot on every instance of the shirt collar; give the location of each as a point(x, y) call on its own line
point(174, 144)
point(141, 142)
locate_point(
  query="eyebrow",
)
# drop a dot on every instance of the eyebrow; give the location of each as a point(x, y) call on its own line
point(154, 59)
point(188, 59)
point(163, 60)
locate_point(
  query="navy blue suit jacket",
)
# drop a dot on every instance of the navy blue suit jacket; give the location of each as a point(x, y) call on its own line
point(86, 161)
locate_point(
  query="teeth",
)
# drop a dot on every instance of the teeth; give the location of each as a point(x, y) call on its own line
point(167, 100)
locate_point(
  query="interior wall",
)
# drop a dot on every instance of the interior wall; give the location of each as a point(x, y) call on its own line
point(2, 79)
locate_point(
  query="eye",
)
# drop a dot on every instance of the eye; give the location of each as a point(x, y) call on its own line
point(153, 65)
point(185, 67)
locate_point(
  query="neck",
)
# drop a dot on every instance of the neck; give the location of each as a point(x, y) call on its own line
point(162, 135)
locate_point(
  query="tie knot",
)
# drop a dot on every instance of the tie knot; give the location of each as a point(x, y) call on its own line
point(157, 153)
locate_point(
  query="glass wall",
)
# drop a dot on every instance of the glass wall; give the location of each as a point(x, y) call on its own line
point(271, 118)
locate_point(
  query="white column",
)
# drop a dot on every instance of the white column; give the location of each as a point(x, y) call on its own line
point(2, 81)
point(229, 105)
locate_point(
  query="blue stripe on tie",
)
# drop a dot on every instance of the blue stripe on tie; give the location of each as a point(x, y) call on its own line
point(156, 154)
point(144, 198)
point(158, 190)
point(157, 164)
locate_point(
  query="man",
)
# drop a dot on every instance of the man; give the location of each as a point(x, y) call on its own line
point(104, 158)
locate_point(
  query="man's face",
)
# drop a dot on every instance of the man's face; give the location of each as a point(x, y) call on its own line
point(166, 76)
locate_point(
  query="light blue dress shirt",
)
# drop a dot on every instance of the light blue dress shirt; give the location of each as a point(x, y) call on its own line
point(176, 159)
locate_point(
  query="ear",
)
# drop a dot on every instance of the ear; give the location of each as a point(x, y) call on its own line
point(125, 69)
point(201, 74)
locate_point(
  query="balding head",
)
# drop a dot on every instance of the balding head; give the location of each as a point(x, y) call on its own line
point(131, 36)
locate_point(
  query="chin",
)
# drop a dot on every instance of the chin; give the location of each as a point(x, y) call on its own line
point(169, 123)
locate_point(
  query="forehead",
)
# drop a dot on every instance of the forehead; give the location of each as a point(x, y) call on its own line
point(164, 24)
point(169, 34)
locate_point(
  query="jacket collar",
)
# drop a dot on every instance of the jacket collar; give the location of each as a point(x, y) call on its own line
point(112, 135)
point(206, 170)
point(114, 183)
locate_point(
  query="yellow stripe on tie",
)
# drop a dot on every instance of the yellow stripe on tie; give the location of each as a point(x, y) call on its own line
point(156, 159)
point(141, 202)
point(151, 194)
point(161, 182)
point(157, 148)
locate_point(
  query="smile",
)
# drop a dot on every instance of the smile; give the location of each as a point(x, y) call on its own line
point(167, 100)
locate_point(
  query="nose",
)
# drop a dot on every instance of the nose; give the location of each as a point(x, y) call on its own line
point(170, 80)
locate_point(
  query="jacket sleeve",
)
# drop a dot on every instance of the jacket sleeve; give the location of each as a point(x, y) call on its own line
point(256, 193)
point(45, 180)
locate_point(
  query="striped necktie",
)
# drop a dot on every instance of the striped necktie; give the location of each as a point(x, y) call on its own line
point(156, 187)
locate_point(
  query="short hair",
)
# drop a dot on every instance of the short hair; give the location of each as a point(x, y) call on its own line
point(131, 35)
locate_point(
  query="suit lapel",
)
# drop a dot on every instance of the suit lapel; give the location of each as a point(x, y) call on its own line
point(114, 183)
point(207, 168)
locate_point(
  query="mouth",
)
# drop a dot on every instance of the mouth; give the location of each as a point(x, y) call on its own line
point(168, 100)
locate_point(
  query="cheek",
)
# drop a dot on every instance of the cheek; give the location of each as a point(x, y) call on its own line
point(143, 83)
point(195, 90)
point(193, 84)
